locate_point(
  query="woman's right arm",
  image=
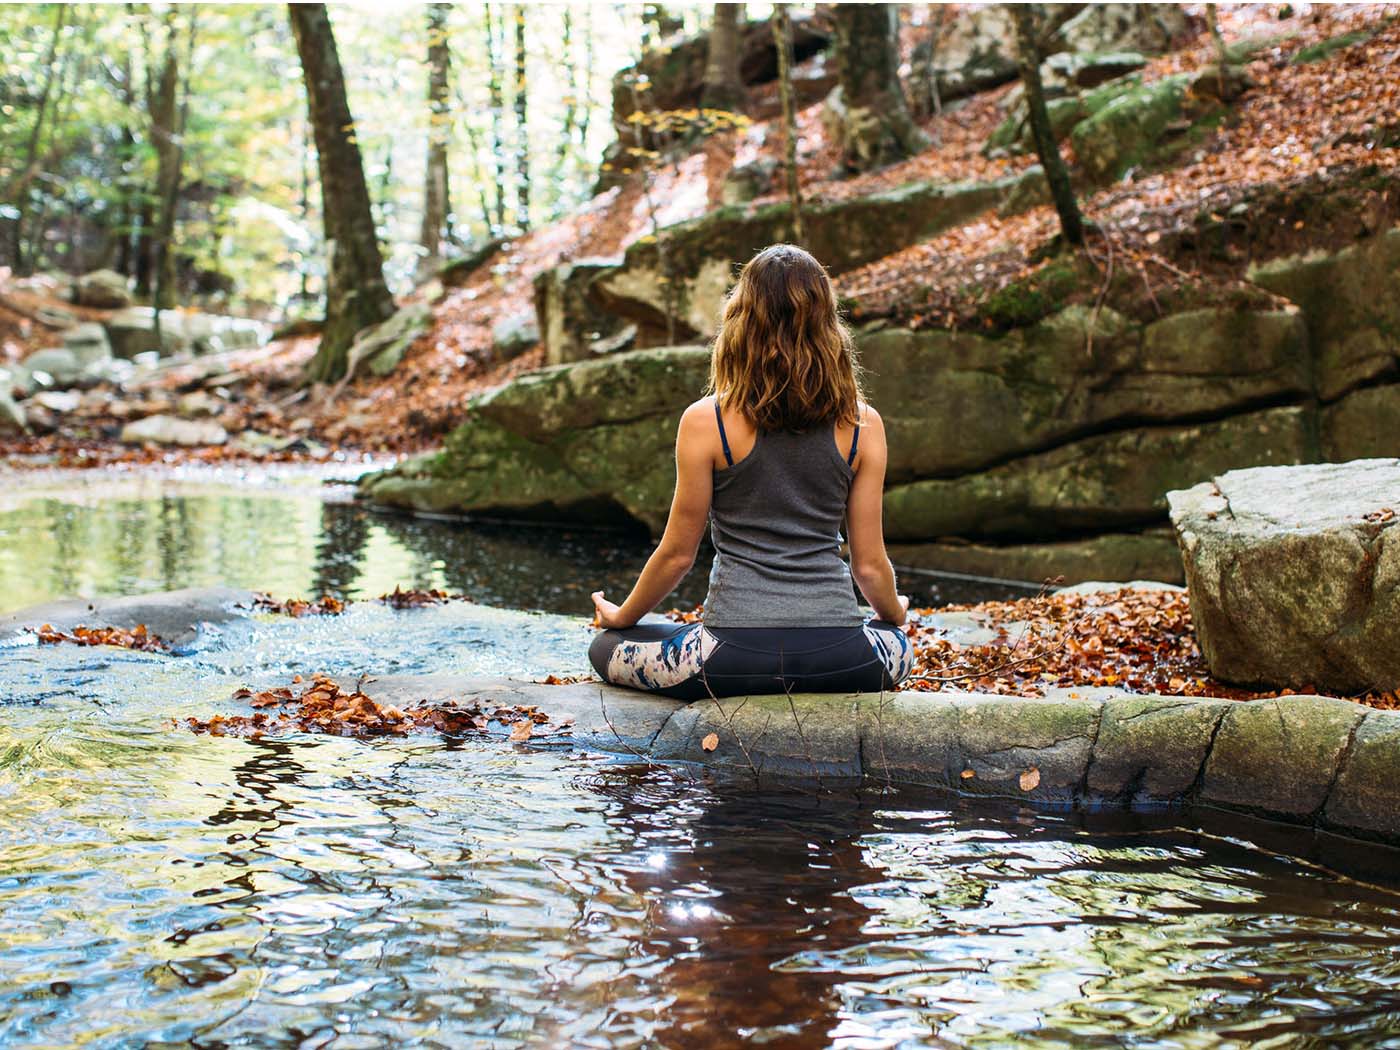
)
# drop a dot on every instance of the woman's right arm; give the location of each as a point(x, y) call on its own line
point(870, 565)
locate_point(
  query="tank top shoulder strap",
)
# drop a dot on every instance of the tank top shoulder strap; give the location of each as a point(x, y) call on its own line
point(723, 437)
point(855, 444)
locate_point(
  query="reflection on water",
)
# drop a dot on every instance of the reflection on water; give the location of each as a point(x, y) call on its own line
point(98, 535)
point(159, 889)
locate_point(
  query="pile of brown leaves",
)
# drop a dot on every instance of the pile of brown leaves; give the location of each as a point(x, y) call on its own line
point(324, 707)
point(415, 599)
point(1141, 641)
point(137, 638)
point(326, 605)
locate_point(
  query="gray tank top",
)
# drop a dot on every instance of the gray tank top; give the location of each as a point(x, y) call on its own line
point(775, 521)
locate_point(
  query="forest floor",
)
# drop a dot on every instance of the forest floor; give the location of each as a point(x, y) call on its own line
point(1302, 129)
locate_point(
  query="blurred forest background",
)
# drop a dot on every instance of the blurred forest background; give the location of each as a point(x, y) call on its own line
point(110, 111)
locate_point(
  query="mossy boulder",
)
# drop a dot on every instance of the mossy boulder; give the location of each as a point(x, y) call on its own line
point(1013, 135)
point(588, 442)
point(1123, 133)
point(1325, 49)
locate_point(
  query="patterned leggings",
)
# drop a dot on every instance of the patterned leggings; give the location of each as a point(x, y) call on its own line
point(692, 661)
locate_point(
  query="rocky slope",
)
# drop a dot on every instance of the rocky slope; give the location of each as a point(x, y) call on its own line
point(1042, 451)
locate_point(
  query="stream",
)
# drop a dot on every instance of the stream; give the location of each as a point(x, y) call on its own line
point(162, 889)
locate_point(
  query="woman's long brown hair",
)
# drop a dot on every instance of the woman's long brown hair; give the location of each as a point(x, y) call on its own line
point(782, 357)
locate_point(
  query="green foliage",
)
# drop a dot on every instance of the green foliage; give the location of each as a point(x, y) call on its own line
point(1327, 48)
point(1029, 299)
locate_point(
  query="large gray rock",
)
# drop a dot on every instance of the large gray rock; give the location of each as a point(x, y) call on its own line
point(569, 317)
point(1150, 28)
point(1294, 574)
point(171, 430)
point(133, 331)
point(977, 48)
point(512, 336)
point(87, 343)
point(104, 289)
point(56, 366)
point(381, 347)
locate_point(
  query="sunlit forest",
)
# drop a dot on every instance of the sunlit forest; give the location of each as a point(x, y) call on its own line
point(96, 95)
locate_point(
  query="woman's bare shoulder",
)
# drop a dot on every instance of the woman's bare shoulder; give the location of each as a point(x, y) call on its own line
point(699, 411)
point(868, 415)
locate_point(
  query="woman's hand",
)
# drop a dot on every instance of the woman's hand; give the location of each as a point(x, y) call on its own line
point(606, 614)
point(903, 610)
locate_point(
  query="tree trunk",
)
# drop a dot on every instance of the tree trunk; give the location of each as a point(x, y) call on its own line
point(169, 109)
point(437, 205)
point(724, 88)
point(571, 100)
point(522, 127)
point(356, 295)
point(1056, 174)
point(19, 189)
point(498, 146)
point(782, 39)
point(871, 117)
point(587, 107)
point(1222, 54)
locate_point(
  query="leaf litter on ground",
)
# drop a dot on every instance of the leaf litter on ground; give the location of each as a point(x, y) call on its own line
point(325, 706)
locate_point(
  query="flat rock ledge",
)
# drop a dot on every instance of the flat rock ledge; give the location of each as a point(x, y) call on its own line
point(175, 616)
point(1313, 761)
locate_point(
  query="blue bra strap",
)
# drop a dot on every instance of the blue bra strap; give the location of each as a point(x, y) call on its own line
point(723, 437)
point(855, 444)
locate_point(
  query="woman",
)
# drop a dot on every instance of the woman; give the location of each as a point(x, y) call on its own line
point(775, 458)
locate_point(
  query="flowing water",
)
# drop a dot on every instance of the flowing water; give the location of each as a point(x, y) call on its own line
point(160, 889)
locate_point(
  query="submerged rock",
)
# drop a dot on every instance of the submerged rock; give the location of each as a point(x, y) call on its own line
point(1294, 574)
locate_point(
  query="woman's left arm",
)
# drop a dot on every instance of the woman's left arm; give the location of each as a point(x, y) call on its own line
point(690, 510)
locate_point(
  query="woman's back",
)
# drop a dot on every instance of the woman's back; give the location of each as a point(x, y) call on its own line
point(775, 522)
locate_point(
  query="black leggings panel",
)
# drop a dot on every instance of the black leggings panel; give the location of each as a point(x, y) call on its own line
point(673, 660)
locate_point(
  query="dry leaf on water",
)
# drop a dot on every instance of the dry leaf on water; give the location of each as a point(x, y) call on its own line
point(967, 774)
point(710, 742)
point(1030, 779)
point(522, 730)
